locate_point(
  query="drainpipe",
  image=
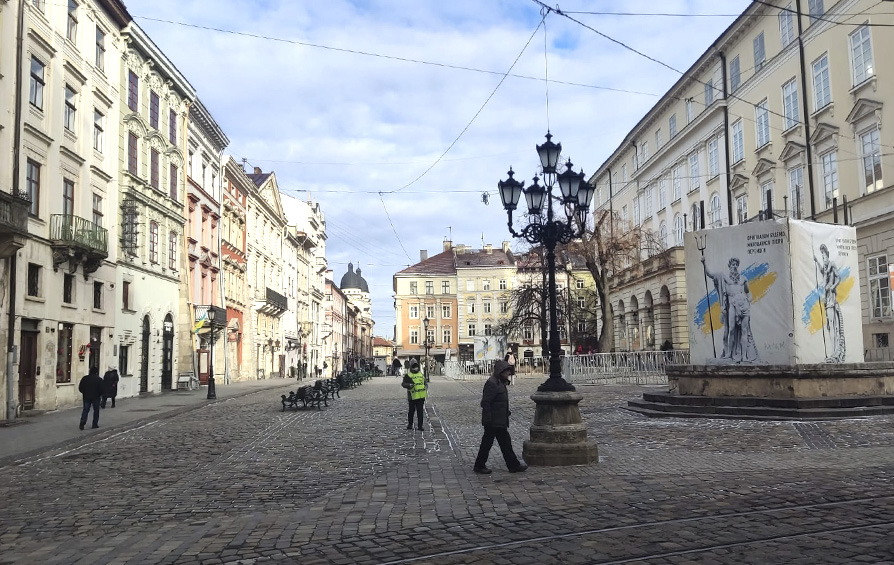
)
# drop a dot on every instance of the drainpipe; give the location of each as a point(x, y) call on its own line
point(11, 397)
point(726, 134)
point(806, 118)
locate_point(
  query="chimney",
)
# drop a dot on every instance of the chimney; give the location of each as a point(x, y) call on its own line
point(489, 249)
point(257, 170)
point(448, 245)
point(423, 254)
point(505, 247)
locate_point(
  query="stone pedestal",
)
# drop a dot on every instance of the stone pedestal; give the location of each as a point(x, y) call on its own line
point(558, 435)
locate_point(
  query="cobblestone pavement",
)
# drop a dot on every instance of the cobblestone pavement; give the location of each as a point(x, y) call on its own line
point(240, 481)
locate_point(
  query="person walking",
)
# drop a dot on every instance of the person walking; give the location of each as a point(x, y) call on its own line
point(91, 389)
point(110, 378)
point(495, 419)
point(414, 382)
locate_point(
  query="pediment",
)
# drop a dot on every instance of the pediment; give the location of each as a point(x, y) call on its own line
point(791, 150)
point(269, 192)
point(763, 166)
point(738, 181)
point(863, 107)
point(822, 132)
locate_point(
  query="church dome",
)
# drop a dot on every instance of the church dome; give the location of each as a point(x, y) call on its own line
point(353, 279)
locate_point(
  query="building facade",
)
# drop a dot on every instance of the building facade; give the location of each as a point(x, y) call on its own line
point(233, 252)
point(484, 282)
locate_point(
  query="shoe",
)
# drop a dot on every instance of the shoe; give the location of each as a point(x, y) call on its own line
point(409, 426)
point(420, 428)
point(522, 467)
point(482, 470)
point(94, 427)
point(81, 426)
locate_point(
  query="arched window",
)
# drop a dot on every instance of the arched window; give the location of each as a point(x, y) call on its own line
point(662, 235)
point(678, 230)
point(715, 210)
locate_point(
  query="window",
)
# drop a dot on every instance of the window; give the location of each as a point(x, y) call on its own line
point(528, 333)
point(581, 327)
point(735, 76)
point(173, 178)
point(97, 295)
point(39, 4)
point(153, 168)
point(414, 287)
point(689, 110)
point(760, 56)
point(35, 94)
point(678, 230)
point(578, 284)
point(662, 234)
point(672, 126)
point(71, 26)
point(125, 295)
point(153, 109)
point(32, 185)
point(624, 172)
point(414, 312)
point(861, 55)
point(98, 129)
point(715, 210)
point(762, 122)
point(695, 214)
point(645, 151)
point(822, 92)
point(786, 26)
point(429, 287)
point(447, 336)
point(63, 353)
point(870, 150)
point(879, 289)
point(189, 160)
point(713, 159)
point(830, 177)
point(738, 142)
point(132, 153)
point(172, 251)
point(662, 193)
point(173, 127)
point(486, 329)
point(486, 306)
point(129, 237)
point(34, 279)
point(504, 307)
point(649, 199)
point(795, 186)
point(741, 209)
point(133, 91)
point(815, 8)
point(470, 306)
point(790, 103)
point(636, 211)
point(624, 215)
point(445, 287)
point(68, 188)
point(100, 49)
point(153, 242)
point(70, 108)
point(657, 139)
point(471, 330)
point(694, 178)
point(485, 284)
point(414, 337)
point(677, 182)
point(766, 194)
point(123, 358)
point(68, 283)
point(430, 312)
point(880, 341)
point(446, 311)
point(502, 284)
point(709, 93)
point(97, 210)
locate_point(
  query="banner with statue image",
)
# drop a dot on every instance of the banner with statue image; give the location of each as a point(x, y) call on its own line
point(826, 290)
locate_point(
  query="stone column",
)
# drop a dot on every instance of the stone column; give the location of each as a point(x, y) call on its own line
point(558, 434)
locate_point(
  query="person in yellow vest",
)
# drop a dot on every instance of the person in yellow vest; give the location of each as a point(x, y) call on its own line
point(414, 382)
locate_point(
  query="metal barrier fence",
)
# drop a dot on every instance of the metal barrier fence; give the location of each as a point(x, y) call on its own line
point(634, 367)
point(481, 370)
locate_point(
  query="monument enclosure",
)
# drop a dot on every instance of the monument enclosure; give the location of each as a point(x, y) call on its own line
point(779, 292)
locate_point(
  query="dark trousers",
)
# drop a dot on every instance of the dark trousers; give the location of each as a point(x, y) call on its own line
point(106, 399)
point(487, 441)
point(418, 407)
point(87, 405)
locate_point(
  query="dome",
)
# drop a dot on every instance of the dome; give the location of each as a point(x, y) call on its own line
point(353, 279)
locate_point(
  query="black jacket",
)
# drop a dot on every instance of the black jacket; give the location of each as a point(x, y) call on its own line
point(91, 387)
point(495, 401)
point(111, 383)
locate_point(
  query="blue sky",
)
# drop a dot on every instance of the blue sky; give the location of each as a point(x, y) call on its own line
point(341, 126)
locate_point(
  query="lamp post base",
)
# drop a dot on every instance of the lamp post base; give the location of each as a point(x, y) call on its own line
point(212, 391)
point(558, 434)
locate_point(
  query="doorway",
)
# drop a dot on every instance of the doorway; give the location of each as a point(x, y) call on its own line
point(28, 366)
point(144, 356)
point(95, 349)
point(167, 353)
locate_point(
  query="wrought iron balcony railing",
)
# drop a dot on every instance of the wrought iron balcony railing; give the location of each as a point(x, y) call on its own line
point(79, 232)
point(14, 212)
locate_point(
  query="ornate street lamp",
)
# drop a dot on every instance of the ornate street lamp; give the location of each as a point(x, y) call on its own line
point(558, 435)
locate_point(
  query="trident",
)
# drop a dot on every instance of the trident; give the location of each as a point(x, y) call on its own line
point(701, 241)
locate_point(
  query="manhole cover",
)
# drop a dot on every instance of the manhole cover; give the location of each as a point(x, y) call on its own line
point(145, 410)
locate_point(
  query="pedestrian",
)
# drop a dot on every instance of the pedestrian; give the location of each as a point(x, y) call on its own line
point(510, 358)
point(495, 419)
point(414, 382)
point(396, 367)
point(110, 378)
point(91, 389)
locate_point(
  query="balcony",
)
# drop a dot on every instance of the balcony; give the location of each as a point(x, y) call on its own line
point(13, 222)
point(210, 318)
point(77, 240)
point(271, 303)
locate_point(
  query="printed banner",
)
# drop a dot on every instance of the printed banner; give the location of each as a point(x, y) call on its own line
point(490, 347)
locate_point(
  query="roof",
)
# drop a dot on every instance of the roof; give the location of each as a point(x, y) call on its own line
point(481, 258)
point(258, 178)
point(441, 264)
point(381, 342)
point(352, 279)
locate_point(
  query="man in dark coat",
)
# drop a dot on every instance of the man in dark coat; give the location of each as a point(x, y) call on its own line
point(495, 419)
point(91, 388)
point(111, 386)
